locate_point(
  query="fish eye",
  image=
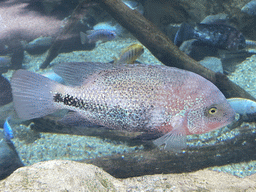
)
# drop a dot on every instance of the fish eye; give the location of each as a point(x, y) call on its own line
point(212, 110)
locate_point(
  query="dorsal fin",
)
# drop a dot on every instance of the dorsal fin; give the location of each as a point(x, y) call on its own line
point(75, 73)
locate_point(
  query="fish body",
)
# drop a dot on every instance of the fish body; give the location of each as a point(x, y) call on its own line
point(165, 101)
point(92, 36)
point(9, 158)
point(5, 61)
point(250, 8)
point(8, 130)
point(5, 91)
point(218, 35)
point(130, 54)
point(242, 106)
point(134, 5)
point(250, 44)
point(5, 64)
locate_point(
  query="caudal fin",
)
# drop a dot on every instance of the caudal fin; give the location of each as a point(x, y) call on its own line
point(32, 94)
point(83, 38)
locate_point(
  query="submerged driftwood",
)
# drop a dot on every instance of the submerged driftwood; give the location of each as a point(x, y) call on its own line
point(58, 43)
point(164, 49)
point(238, 149)
point(215, 151)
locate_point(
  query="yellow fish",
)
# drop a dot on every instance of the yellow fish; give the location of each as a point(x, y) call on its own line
point(130, 54)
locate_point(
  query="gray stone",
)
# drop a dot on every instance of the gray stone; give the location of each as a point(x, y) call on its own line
point(71, 176)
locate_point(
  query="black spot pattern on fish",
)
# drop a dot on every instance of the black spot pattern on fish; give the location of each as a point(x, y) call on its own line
point(116, 116)
point(78, 103)
point(57, 98)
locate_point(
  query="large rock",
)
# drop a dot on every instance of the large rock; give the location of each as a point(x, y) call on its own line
point(60, 175)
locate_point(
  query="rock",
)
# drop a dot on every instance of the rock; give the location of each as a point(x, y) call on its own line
point(212, 63)
point(60, 175)
point(203, 180)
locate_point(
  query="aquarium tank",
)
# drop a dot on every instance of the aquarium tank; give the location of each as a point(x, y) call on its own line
point(127, 95)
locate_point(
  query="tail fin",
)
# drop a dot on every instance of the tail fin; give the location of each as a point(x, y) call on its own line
point(83, 38)
point(186, 32)
point(32, 94)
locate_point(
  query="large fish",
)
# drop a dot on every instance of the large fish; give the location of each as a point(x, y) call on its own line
point(168, 102)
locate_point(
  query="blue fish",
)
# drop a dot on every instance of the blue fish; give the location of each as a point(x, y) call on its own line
point(9, 158)
point(92, 36)
point(250, 8)
point(8, 130)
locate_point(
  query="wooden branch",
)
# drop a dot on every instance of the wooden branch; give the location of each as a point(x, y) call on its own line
point(164, 49)
point(58, 43)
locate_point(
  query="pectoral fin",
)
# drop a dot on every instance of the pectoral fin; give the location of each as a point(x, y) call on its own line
point(175, 141)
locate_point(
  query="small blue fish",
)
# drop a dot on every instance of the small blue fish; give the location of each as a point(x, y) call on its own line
point(8, 130)
point(92, 36)
point(250, 8)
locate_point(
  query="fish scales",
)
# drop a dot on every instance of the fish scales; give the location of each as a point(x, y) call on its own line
point(154, 99)
point(128, 98)
point(116, 95)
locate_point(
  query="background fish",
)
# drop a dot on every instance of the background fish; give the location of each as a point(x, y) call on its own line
point(250, 8)
point(5, 64)
point(5, 61)
point(165, 101)
point(242, 106)
point(9, 159)
point(245, 107)
point(8, 130)
point(130, 54)
point(134, 5)
point(5, 91)
point(219, 35)
point(93, 36)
